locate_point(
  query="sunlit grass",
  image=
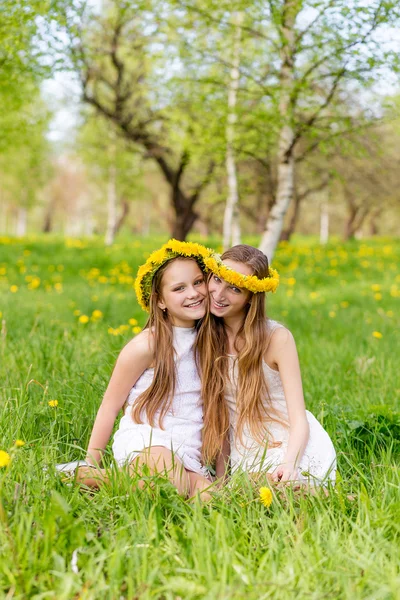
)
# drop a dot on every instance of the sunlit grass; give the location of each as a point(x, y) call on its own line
point(67, 308)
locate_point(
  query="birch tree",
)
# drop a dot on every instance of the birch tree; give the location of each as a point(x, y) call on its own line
point(321, 48)
point(231, 230)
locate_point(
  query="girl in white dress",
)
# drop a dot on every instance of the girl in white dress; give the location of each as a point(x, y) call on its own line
point(156, 380)
point(251, 379)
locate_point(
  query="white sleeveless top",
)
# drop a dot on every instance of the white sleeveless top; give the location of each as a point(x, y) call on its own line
point(319, 458)
point(183, 422)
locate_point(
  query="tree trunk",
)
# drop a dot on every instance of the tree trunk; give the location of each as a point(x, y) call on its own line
point(288, 232)
point(284, 194)
point(183, 224)
point(21, 221)
point(324, 224)
point(285, 166)
point(373, 224)
point(231, 230)
point(122, 217)
point(111, 200)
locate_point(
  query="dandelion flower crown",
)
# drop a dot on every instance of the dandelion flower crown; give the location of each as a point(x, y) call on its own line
point(172, 249)
point(250, 282)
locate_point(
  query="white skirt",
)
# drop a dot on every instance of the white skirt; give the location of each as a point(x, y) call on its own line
point(317, 465)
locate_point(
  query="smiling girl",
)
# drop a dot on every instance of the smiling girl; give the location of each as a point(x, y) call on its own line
point(156, 380)
point(251, 378)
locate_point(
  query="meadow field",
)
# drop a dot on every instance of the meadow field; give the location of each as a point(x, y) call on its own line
point(67, 307)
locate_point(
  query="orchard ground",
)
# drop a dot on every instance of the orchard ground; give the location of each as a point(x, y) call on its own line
point(67, 308)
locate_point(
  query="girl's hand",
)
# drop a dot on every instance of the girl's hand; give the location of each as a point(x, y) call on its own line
point(285, 473)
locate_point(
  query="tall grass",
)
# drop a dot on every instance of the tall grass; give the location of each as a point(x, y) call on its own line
point(341, 303)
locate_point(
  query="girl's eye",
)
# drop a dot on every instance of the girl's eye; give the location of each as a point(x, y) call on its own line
point(235, 289)
point(217, 279)
point(179, 288)
point(199, 282)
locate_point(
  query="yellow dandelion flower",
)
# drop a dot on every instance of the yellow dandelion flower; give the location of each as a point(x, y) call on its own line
point(83, 319)
point(378, 296)
point(377, 334)
point(376, 287)
point(313, 295)
point(14, 289)
point(58, 287)
point(97, 314)
point(266, 496)
point(19, 443)
point(136, 330)
point(53, 403)
point(132, 322)
point(344, 304)
point(291, 281)
point(332, 314)
point(5, 458)
point(77, 312)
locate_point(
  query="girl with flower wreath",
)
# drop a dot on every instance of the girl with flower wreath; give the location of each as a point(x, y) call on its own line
point(156, 380)
point(251, 379)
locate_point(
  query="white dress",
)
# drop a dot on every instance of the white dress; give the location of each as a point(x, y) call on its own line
point(182, 424)
point(318, 463)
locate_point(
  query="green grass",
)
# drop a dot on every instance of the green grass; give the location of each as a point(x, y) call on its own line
point(57, 542)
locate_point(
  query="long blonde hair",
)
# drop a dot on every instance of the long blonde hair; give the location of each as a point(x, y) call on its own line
point(159, 396)
point(251, 342)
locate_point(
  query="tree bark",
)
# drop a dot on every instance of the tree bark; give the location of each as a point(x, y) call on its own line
point(231, 230)
point(111, 203)
point(122, 217)
point(21, 221)
point(324, 224)
point(288, 232)
point(285, 165)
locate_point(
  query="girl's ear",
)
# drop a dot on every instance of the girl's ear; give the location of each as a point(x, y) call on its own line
point(161, 304)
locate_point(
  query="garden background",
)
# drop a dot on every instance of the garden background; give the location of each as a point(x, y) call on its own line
point(124, 123)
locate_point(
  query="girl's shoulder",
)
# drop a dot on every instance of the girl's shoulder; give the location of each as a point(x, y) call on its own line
point(280, 338)
point(141, 347)
point(278, 333)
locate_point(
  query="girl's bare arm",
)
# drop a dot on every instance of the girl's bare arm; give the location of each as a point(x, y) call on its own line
point(134, 358)
point(283, 353)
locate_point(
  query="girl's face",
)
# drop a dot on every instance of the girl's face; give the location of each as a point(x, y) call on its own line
point(226, 300)
point(183, 292)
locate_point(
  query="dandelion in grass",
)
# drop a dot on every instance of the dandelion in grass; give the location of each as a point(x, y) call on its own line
point(132, 322)
point(19, 443)
point(14, 289)
point(96, 314)
point(83, 319)
point(5, 458)
point(377, 334)
point(266, 496)
point(332, 314)
point(136, 330)
point(53, 403)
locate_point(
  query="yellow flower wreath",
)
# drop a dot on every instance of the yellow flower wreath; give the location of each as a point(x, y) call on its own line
point(172, 249)
point(249, 282)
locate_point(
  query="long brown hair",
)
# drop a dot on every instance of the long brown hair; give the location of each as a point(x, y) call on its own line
point(159, 396)
point(251, 343)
